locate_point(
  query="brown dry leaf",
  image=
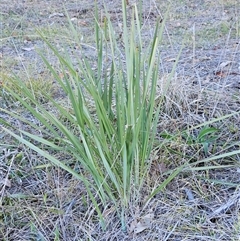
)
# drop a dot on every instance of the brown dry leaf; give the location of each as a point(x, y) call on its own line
point(140, 227)
point(144, 222)
point(220, 74)
point(82, 23)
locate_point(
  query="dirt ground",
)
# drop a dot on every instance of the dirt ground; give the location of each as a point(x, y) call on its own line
point(46, 204)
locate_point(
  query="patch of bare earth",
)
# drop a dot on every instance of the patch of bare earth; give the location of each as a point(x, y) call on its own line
point(41, 202)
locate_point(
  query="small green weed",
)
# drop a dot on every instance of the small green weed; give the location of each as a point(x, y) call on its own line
point(205, 137)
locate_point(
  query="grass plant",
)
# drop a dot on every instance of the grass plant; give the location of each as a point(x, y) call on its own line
point(113, 112)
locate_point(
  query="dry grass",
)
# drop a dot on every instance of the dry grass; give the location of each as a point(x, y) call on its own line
point(42, 202)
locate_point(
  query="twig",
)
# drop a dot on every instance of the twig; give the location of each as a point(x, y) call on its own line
point(234, 199)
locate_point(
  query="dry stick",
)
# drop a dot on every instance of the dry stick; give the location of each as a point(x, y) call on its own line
point(166, 30)
point(194, 45)
point(6, 180)
point(234, 199)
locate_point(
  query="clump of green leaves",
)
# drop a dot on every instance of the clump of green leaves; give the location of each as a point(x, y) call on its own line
point(206, 136)
point(113, 113)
